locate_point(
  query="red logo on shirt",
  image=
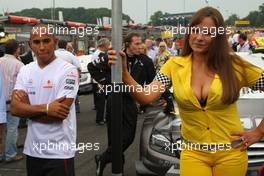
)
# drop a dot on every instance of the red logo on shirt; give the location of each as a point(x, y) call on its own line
point(48, 85)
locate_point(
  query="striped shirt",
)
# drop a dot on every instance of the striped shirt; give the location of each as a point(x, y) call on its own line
point(10, 66)
point(2, 100)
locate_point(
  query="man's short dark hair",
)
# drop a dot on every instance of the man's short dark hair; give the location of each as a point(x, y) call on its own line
point(243, 36)
point(62, 44)
point(158, 40)
point(128, 38)
point(11, 46)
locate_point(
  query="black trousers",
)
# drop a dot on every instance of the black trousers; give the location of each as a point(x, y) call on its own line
point(95, 89)
point(129, 126)
point(50, 167)
point(100, 106)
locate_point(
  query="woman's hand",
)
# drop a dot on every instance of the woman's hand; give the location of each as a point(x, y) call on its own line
point(247, 138)
point(112, 57)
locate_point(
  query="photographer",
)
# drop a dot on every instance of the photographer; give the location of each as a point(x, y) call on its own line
point(101, 73)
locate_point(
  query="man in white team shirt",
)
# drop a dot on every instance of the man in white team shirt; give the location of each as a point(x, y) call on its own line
point(62, 53)
point(44, 93)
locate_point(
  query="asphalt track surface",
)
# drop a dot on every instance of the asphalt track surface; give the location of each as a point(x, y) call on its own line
point(87, 133)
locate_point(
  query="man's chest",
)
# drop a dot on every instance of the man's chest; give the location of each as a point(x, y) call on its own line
point(41, 87)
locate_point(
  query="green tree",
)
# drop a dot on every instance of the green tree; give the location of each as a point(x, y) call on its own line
point(260, 19)
point(155, 19)
point(256, 18)
point(231, 19)
point(253, 18)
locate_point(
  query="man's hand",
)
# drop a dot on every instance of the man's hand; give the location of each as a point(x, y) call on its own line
point(58, 110)
point(21, 96)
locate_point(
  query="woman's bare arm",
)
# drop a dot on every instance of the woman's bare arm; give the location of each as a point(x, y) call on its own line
point(146, 94)
point(143, 95)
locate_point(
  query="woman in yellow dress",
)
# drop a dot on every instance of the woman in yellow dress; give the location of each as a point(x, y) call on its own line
point(206, 81)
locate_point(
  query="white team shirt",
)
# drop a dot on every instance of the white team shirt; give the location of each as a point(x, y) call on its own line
point(68, 56)
point(244, 48)
point(235, 38)
point(59, 78)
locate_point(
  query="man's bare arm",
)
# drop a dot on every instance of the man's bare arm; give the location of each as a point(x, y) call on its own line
point(58, 110)
point(22, 108)
point(49, 119)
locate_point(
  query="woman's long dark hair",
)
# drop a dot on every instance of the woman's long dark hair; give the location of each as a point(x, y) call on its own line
point(219, 57)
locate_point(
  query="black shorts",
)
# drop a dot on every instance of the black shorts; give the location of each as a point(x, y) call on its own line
point(50, 167)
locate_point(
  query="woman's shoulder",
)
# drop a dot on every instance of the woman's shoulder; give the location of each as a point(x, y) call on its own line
point(241, 63)
point(245, 69)
point(180, 60)
point(175, 64)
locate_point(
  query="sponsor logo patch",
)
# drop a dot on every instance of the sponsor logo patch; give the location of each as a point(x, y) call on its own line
point(31, 93)
point(70, 81)
point(68, 87)
point(48, 85)
point(71, 74)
